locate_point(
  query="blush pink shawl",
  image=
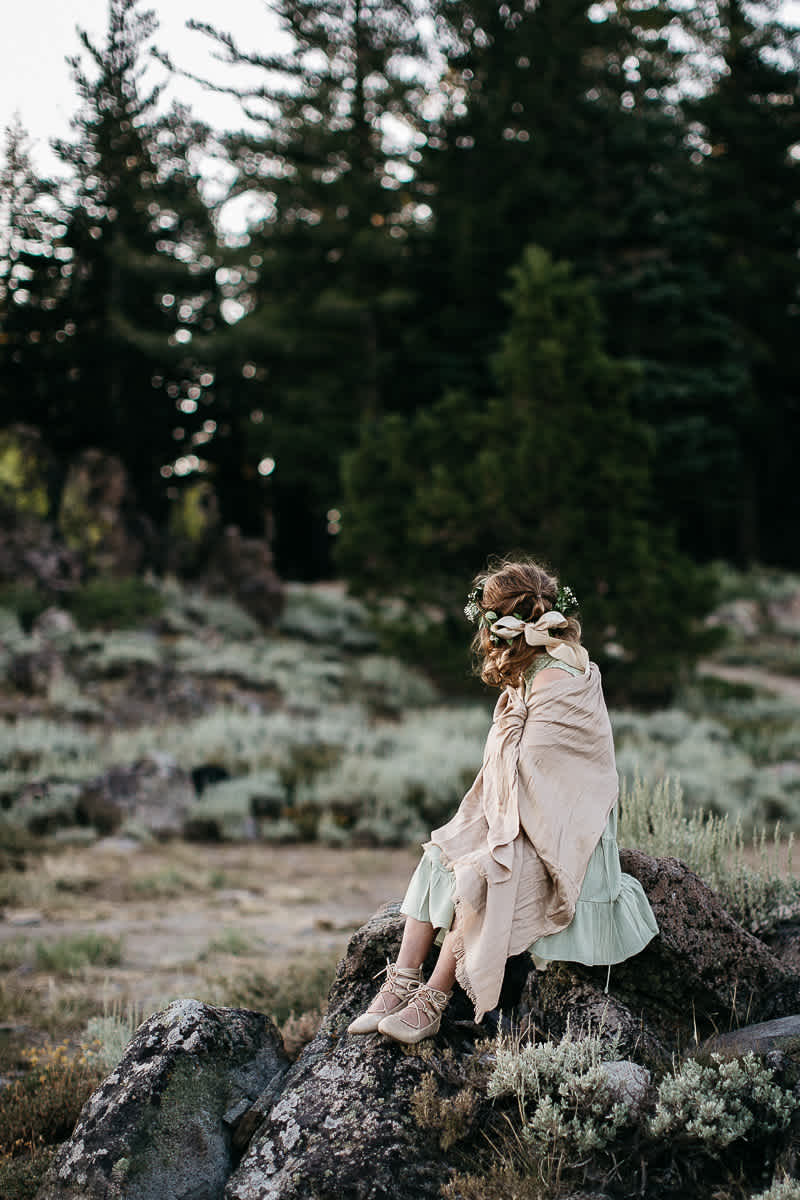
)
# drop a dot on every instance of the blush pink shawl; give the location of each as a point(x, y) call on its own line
point(522, 837)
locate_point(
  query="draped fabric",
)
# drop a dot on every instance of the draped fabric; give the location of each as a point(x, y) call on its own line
point(520, 843)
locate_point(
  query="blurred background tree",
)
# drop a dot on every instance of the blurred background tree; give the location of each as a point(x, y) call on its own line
point(556, 464)
point(343, 369)
point(129, 275)
point(327, 268)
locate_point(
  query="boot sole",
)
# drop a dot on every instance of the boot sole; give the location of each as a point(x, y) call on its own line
point(409, 1036)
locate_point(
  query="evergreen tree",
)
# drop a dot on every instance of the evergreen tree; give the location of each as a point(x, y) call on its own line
point(555, 464)
point(565, 129)
point(330, 304)
point(745, 134)
point(140, 292)
point(32, 280)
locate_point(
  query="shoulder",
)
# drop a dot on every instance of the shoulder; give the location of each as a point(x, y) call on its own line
point(544, 677)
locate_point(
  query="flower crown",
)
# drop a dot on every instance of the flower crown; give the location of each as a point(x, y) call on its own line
point(566, 601)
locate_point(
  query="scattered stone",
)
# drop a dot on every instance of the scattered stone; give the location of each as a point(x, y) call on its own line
point(629, 1080)
point(763, 1038)
point(342, 1126)
point(158, 1126)
point(23, 916)
point(54, 625)
point(154, 794)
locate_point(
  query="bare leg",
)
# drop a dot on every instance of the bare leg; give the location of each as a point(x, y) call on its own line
point(422, 1015)
point(417, 941)
point(444, 973)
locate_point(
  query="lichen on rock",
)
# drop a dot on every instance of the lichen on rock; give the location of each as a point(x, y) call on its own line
point(156, 1127)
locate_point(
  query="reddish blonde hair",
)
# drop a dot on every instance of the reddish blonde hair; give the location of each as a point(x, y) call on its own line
point(524, 588)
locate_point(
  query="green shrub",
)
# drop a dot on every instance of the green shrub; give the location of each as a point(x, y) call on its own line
point(42, 1107)
point(50, 748)
point(105, 1038)
point(402, 779)
point(107, 602)
point(237, 809)
point(21, 1178)
point(324, 613)
point(715, 773)
point(300, 987)
point(720, 1102)
point(118, 653)
point(314, 674)
point(16, 843)
point(567, 1104)
point(243, 741)
point(389, 684)
point(187, 611)
point(230, 941)
point(653, 818)
point(781, 1189)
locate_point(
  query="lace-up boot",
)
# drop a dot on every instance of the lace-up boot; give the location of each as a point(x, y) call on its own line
point(400, 982)
point(420, 1018)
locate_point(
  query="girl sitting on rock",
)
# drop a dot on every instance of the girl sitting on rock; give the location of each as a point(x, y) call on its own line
point(530, 859)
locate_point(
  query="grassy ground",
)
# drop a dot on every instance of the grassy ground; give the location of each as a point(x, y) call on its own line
point(116, 924)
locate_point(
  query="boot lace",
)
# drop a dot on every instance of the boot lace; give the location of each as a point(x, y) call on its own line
point(427, 1002)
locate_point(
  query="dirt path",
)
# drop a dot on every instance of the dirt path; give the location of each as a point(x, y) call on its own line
point(189, 916)
point(785, 686)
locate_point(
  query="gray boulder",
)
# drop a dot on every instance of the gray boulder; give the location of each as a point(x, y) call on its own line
point(702, 972)
point(160, 1126)
point(763, 1038)
point(343, 1128)
point(154, 794)
point(629, 1081)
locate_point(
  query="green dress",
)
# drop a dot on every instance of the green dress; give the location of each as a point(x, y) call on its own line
point(613, 918)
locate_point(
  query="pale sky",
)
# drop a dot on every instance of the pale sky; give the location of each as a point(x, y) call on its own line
point(37, 35)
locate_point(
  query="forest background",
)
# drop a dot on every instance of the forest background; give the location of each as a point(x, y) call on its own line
point(517, 277)
point(525, 276)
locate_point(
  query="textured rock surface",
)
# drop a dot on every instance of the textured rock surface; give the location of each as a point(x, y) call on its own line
point(703, 964)
point(342, 1128)
point(630, 1081)
point(159, 1127)
point(154, 793)
point(703, 972)
point(765, 1037)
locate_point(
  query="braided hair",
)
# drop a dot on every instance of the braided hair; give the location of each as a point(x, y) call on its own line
point(522, 588)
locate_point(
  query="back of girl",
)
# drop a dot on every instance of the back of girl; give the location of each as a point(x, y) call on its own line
point(529, 861)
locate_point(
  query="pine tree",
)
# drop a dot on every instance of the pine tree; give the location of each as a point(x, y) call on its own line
point(141, 291)
point(555, 465)
point(32, 280)
point(745, 134)
point(326, 271)
point(564, 127)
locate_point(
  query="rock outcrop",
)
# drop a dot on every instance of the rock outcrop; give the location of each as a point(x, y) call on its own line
point(343, 1128)
point(160, 1126)
point(701, 974)
point(339, 1124)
